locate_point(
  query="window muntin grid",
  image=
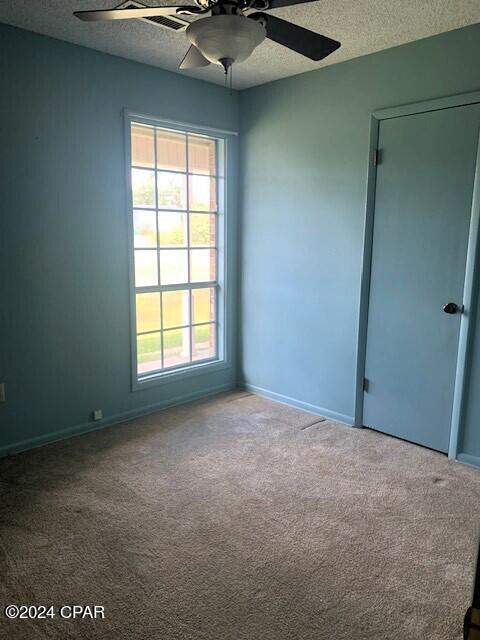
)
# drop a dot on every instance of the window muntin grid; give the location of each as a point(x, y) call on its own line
point(175, 231)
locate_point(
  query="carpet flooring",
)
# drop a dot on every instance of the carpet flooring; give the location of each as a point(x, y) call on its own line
point(237, 518)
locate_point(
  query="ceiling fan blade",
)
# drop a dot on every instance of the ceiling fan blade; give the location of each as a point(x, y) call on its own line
point(307, 43)
point(193, 59)
point(276, 4)
point(125, 14)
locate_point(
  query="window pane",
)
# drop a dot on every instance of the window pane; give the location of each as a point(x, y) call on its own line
point(175, 243)
point(143, 188)
point(172, 190)
point(203, 196)
point(146, 274)
point(149, 352)
point(175, 309)
point(172, 229)
point(144, 229)
point(202, 230)
point(143, 153)
point(203, 305)
point(148, 312)
point(201, 155)
point(171, 151)
point(203, 342)
point(202, 265)
point(173, 266)
point(176, 347)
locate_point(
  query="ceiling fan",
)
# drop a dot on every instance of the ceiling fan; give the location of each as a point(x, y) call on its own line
point(228, 31)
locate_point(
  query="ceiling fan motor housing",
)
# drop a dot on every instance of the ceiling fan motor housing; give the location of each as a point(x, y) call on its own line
point(221, 37)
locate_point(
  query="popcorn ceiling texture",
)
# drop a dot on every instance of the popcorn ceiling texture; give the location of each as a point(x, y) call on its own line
point(363, 26)
point(237, 518)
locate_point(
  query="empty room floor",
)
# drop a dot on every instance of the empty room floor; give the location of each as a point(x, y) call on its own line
point(238, 518)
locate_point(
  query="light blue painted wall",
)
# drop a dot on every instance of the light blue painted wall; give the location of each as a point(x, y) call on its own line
point(64, 314)
point(63, 237)
point(304, 154)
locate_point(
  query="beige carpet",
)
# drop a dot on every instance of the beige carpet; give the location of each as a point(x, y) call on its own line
point(238, 518)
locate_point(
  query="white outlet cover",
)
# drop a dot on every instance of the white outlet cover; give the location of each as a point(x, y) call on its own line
point(97, 414)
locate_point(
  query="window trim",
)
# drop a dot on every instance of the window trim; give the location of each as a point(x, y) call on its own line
point(224, 313)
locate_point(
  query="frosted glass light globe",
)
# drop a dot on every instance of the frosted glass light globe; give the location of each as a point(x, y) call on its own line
point(226, 37)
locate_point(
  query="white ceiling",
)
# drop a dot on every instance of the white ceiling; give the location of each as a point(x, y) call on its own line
point(362, 26)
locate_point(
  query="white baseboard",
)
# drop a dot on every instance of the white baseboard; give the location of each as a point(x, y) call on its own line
point(311, 408)
point(118, 418)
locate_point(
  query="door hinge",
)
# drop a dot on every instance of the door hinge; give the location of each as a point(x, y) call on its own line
point(377, 157)
point(366, 384)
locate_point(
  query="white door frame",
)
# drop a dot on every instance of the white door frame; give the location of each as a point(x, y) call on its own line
point(471, 269)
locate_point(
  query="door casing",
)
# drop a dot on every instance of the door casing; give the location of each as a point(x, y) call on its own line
point(471, 275)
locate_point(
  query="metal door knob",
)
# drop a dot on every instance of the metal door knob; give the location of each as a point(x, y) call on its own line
point(451, 307)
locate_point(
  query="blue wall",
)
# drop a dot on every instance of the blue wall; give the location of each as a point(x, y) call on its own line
point(64, 314)
point(64, 346)
point(305, 143)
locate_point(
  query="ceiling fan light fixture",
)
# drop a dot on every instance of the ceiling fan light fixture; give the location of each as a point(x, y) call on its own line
point(223, 38)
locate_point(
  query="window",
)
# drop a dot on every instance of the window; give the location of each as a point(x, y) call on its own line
point(177, 194)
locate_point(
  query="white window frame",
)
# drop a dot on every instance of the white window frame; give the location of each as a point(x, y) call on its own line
point(223, 305)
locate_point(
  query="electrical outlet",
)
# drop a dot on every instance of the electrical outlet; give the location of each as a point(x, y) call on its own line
point(2, 392)
point(97, 414)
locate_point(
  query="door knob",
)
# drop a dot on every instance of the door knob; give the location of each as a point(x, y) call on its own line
point(451, 307)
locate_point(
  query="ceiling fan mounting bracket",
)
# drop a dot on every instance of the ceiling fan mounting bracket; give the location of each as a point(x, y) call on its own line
point(260, 5)
point(228, 7)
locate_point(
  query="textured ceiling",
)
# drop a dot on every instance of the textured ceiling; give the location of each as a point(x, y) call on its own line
point(362, 26)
